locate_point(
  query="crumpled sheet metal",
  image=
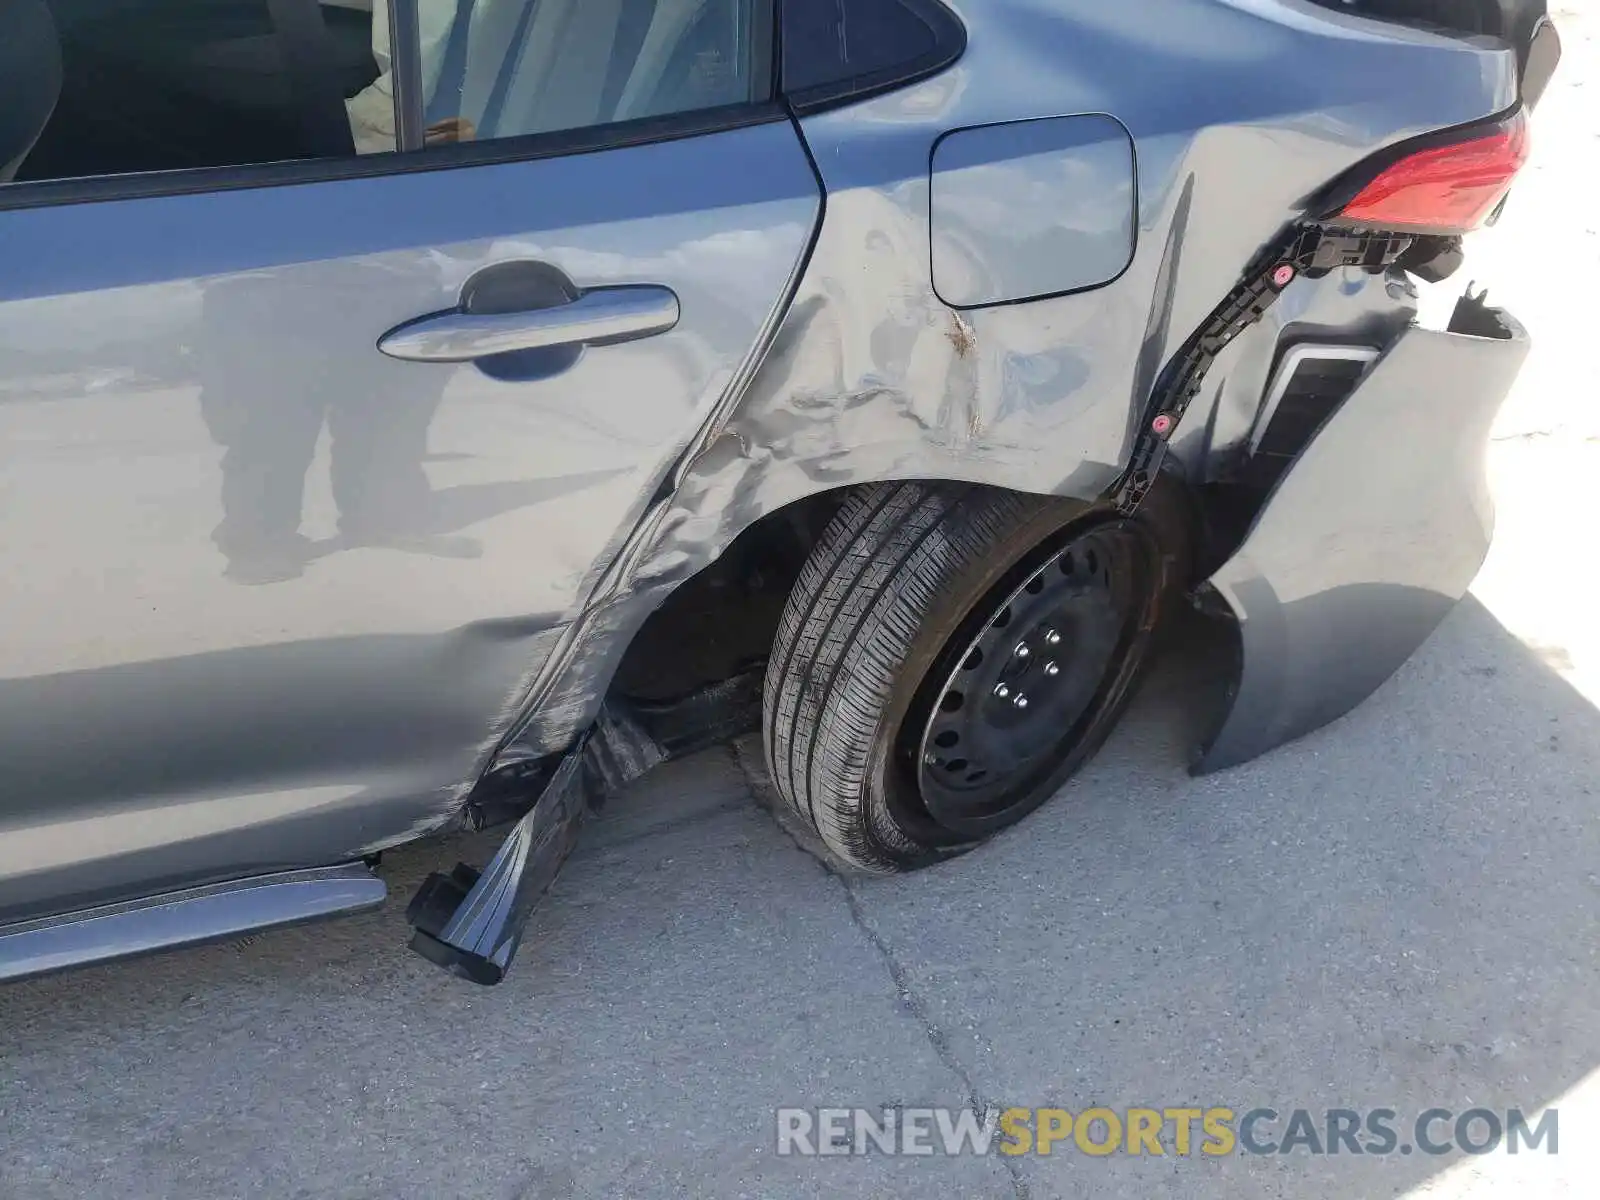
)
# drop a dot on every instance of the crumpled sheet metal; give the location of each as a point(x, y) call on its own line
point(871, 377)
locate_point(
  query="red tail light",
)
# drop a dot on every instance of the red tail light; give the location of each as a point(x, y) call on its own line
point(1444, 189)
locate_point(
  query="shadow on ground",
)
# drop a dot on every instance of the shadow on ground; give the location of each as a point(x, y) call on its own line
point(1399, 911)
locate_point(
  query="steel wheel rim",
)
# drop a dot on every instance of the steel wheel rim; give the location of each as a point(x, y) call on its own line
point(1033, 674)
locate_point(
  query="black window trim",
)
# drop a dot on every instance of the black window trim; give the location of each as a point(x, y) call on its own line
point(950, 43)
point(764, 37)
point(144, 185)
point(405, 65)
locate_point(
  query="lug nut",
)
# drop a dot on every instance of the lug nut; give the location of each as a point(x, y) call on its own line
point(1021, 701)
point(1051, 669)
point(931, 760)
point(1022, 650)
point(1001, 690)
point(1052, 637)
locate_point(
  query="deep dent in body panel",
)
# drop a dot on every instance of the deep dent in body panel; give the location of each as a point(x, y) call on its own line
point(868, 379)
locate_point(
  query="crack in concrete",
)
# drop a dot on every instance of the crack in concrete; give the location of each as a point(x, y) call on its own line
point(914, 1004)
point(764, 795)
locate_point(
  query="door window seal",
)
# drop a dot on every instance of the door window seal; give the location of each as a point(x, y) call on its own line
point(526, 148)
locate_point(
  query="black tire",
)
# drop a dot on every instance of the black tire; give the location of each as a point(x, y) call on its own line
point(894, 588)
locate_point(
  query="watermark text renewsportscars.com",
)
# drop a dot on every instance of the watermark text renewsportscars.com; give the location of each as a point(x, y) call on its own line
point(1181, 1131)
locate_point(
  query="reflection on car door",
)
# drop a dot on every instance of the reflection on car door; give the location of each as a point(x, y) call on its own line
point(271, 594)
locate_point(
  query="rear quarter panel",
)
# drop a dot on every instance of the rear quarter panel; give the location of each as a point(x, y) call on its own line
point(1238, 111)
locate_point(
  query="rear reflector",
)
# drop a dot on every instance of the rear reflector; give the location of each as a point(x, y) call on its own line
point(1444, 189)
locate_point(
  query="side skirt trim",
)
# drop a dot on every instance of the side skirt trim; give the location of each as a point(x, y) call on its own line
point(185, 918)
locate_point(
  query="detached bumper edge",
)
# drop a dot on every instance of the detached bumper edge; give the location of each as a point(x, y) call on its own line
point(1369, 539)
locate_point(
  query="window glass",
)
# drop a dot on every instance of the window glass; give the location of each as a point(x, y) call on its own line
point(503, 68)
point(835, 50)
point(161, 85)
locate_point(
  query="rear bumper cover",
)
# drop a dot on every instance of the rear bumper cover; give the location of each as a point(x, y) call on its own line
point(1370, 537)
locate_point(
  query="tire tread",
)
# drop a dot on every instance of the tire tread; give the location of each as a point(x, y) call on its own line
point(857, 607)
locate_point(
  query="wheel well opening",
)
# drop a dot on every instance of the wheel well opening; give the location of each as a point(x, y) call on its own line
point(722, 622)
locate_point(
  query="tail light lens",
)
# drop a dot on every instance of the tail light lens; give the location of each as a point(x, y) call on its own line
point(1444, 189)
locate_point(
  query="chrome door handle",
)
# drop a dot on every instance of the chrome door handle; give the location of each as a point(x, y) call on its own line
point(599, 317)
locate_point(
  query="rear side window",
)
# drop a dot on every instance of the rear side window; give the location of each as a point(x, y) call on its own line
point(505, 68)
point(835, 51)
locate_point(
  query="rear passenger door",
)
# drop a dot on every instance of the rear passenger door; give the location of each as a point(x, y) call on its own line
point(338, 351)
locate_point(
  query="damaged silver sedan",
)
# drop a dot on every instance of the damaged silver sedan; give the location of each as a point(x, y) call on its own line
point(438, 413)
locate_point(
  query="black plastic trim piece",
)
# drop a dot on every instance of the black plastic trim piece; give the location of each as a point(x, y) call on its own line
point(527, 148)
point(405, 55)
point(1302, 249)
point(1510, 21)
point(1433, 259)
point(470, 921)
point(950, 43)
point(764, 38)
point(1540, 62)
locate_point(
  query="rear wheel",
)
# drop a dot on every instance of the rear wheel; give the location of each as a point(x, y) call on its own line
point(950, 655)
